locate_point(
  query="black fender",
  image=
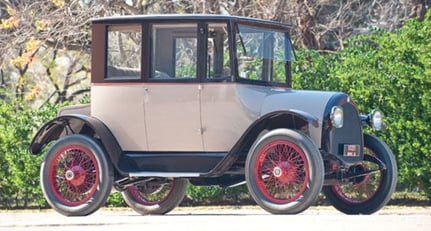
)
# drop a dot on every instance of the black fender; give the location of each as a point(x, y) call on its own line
point(292, 119)
point(77, 124)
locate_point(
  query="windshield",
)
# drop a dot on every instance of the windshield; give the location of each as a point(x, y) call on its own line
point(262, 54)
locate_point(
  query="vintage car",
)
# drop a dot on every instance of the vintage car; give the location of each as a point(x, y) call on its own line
point(207, 99)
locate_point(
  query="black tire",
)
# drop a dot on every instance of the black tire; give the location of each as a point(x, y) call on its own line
point(367, 194)
point(76, 177)
point(159, 196)
point(284, 171)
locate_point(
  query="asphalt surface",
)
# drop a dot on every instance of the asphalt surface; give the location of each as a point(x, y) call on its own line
point(220, 218)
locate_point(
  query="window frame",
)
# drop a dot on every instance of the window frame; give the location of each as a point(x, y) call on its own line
point(100, 53)
point(138, 78)
point(230, 42)
point(287, 63)
point(151, 62)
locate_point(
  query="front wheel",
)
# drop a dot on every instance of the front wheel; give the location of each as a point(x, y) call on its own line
point(284, 172)
point(155, 196)
point(76, 177)
point(368, 193)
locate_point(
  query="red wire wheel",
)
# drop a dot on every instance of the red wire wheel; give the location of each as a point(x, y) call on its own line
point(155, 196)
point(363, 188)
point(74, 175)
point(367, 193)
point(151, 194)
point(282, 171)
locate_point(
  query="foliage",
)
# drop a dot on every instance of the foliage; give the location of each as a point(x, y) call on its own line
point(19, 171)
point(115, 200)
point(392, 72)
point(312, 71)
point(217, 195)
point(200, 195)
point(46, 53)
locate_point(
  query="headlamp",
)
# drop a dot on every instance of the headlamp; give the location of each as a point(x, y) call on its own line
point(337, 116)
point(376, 120)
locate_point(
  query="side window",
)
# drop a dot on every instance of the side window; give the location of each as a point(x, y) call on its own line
point(124, 52)
point(262, 54)
point(174, 51)
point(185, 57)
point(218, 61)
point(247, 46)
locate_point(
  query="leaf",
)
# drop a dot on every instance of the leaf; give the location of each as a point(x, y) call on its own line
point(58, 3)
point(11, 11)
point(10, 23)
point(32, 45)
point(40, 25)
point(21, 61)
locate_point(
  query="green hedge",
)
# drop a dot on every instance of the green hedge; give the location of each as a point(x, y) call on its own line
point(392, 72)
point(19, 171)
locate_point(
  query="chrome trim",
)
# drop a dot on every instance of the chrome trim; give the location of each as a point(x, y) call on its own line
point(237, 184)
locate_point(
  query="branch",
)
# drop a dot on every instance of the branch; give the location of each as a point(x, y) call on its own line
point(69, 73)
point(49, 74)
point(123, 5)
point(86, 48)
point(78, 81)
point(78, 92)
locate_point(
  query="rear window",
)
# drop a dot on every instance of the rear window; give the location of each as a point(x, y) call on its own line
point(124, 52)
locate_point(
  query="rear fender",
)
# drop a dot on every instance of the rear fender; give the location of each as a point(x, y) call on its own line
point(77, 124)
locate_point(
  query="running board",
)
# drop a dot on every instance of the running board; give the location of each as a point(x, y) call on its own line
point(165, 174)
point(178, 164)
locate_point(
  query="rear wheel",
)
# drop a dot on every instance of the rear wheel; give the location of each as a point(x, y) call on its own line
point(156, 196)
point(368, 193)
point(284, 172)
point(76, 177)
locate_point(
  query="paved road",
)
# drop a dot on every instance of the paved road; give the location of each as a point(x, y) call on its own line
point(220, 219)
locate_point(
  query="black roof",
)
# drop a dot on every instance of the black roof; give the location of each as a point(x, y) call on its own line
point(183, 17)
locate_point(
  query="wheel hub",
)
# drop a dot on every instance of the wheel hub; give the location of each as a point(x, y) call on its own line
point(75, 175)
point(284, 172)
point(278, 172)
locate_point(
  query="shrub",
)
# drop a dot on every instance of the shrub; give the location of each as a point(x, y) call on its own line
point(19, 171)
point(390, 71)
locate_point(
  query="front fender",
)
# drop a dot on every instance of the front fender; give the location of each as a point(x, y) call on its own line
point(76, 124)
point(292, 119)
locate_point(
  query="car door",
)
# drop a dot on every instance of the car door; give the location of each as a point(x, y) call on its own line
point(172, 95)
point(224, 114)
point(117, 98)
